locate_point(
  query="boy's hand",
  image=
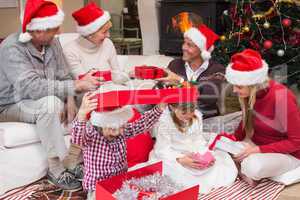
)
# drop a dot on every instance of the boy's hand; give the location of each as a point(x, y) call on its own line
point(88, 105)
point(162, 106)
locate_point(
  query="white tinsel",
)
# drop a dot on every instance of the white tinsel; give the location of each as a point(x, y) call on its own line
point(162, 186)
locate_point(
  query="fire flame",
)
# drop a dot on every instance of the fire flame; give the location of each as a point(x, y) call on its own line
point(182, 22)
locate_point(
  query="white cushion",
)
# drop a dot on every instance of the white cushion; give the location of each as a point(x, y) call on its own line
point(23, 165)
point(14, 134)
point(289, 178)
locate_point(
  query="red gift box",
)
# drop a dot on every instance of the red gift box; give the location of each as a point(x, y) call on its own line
point(106, 188)
point(106, 75)
point(114, 99)
point(148, 72)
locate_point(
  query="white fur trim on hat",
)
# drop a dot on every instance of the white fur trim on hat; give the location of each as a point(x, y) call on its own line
point(112, 119)
point(44, 23)
point(25, 37)
point(93, 26)
point(199, 40)
point(246, 78)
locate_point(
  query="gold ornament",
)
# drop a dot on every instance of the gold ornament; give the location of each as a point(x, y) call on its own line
point(246, 29)
point(222, 37)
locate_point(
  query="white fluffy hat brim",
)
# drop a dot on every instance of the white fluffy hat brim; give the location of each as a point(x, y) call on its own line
point(199, 40)
point(42, 24)
point(94, 26)
point(112, 119)
point(246, 78)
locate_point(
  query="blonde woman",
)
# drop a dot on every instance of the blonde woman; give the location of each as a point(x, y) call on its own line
point(93, 49)
point(270, 126)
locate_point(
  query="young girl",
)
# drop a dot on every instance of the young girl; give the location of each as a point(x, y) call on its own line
point(178, 134)
point(270, 126)
point(103, 139)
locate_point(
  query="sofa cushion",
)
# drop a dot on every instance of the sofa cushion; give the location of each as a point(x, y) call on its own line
point(14, 134)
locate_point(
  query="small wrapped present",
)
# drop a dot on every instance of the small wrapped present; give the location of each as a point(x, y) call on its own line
point(204, 159)
point(146, 183)
point(106, 75)
point(227, 142)
point(148, 72)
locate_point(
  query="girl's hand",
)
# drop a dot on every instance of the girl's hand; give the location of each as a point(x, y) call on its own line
point(88, 105)
point(187, 161)
point(162, 106)
point(249, 149)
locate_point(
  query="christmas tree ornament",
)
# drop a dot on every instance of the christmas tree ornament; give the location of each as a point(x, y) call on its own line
point(280, 53)
point(246, 29)
point(222, 37)
point(286, 22)
point(225, 12)
point(268, 44)
point(266, 25)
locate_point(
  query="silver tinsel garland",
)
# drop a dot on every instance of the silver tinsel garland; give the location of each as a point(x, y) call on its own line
point(156, 185)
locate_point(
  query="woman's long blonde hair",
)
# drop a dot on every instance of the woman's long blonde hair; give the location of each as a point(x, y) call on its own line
point(247, 106)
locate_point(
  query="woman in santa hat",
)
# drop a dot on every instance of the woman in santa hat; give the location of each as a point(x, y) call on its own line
point(93, 49)
point(270, 126)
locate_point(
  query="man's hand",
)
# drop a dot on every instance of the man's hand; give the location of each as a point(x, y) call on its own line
point(170, 78)
point(249, 149)
point(89, 103)
point(88, 82)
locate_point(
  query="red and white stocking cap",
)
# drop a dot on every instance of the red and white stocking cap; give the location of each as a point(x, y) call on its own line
point(204, 38)
point(40, 15)
point(247, 68)
point(90, 18)
point(112, 117)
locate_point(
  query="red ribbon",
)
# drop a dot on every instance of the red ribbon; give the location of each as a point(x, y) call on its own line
point(218, 137)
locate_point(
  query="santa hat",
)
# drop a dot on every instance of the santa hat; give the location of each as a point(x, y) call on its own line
point(247, 68)
point(40, 15)
point(204, 38)
point(90, 18)
point(111, 117)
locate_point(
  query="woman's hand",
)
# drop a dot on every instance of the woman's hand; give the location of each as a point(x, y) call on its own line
point(187, 161)
point(248, 150)
point(88, 105)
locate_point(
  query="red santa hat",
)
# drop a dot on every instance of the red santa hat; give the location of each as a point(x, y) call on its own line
point(204, 38)
point(90, 18)
point(112, 117)
point(40, 15)
point(247, 68)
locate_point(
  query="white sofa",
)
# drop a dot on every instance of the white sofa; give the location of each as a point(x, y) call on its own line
point(22, 159)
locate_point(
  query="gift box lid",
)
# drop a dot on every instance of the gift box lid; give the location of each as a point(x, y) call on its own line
point(148, 72)
point(115, 99)
point(105, 188)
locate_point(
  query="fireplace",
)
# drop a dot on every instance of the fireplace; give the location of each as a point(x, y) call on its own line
point(176, 16)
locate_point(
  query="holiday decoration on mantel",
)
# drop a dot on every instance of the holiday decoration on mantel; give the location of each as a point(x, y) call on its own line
point(269, 26)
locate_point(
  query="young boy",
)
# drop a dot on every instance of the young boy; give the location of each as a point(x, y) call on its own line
point(103, 139)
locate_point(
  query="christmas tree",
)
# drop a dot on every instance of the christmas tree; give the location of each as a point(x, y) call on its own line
point(269, 26)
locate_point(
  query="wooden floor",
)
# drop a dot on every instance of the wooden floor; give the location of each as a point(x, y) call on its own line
point(290, 193)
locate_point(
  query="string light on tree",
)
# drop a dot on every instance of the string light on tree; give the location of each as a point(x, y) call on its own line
point(222, 37)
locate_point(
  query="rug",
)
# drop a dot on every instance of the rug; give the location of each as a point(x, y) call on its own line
point(43, 190)
point(240, 190)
